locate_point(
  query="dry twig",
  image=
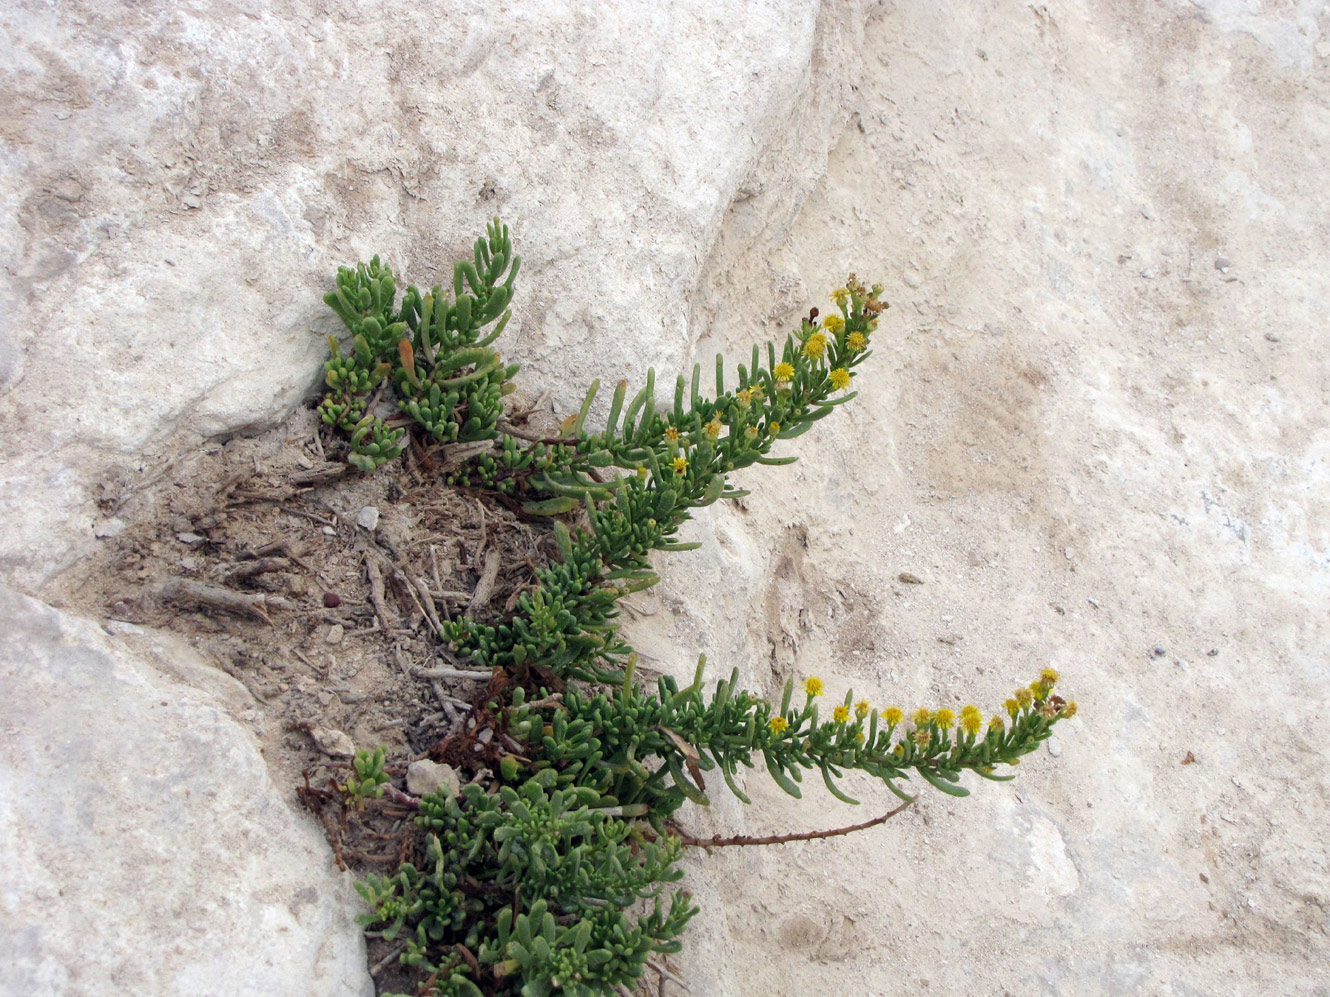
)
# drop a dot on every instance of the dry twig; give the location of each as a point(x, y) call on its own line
point(716, 841)
point(183, 591)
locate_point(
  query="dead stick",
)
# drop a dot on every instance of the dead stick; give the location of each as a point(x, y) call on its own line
point(485, 587)
point(382, 964)
point(260, 566)
point(452, 673)
point(667, 975)
point(376, 592)
point(431, 610)
point(716, 841)
point(183, 590)
point(480, 547)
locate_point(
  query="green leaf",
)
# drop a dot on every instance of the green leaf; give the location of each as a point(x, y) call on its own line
point(551, 507)
point(940, 784)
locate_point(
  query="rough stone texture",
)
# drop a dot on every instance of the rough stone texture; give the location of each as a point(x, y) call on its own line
point(145, 848)
point(178, 185)
point(181, 182)
point(1095, 423)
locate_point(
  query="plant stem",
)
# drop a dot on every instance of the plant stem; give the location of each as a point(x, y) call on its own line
point(716, 841)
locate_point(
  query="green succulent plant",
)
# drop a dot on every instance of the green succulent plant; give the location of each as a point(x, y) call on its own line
point(550, 875)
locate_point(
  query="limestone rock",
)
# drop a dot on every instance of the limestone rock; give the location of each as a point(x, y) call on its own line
point(424, 777)
point(333, 743)
point(145, 849)
point(181, 233)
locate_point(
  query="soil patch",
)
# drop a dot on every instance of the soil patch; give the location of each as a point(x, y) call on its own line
point(322, 591)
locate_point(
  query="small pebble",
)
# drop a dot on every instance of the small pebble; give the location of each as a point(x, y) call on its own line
point(1213, 652)
point(1160, 652)
point(425, 777)
point(1222, 264)
point(909, 579)
point(1054, 747)
point(334, 743)
point(189, 538)
point(911, 278)
point(331, 600)
point(109, 528)
point(335, 634)
point(328, 531)
point(368, 519)
point(1270, 337)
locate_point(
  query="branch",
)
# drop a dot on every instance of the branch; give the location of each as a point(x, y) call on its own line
point(716, 841)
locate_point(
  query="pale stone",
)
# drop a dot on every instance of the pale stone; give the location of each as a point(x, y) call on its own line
point(145, 849)
point(180, 235)
point(333, 743)
point(424, 777)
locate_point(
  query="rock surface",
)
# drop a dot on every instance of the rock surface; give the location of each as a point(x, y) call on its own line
point(181, 183)
point(1086, 435)
point(145, 848)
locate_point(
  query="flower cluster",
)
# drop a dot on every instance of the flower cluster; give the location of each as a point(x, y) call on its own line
point(937, 745)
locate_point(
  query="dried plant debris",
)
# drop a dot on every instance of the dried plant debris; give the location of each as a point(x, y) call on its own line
point(252, 551)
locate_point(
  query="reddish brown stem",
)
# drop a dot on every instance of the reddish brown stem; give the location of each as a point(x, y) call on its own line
point(716, 841)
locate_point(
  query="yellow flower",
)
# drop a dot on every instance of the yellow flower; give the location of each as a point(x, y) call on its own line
point(840, 378)
point(969, 709)
point(833, 324)
point(712, 429)
point(840, 295)
point(642, 472)
point(815, 345)
point(859, 736)
point(996, 723)
point(1069, 710)
point(893, 715)
point(1012, 706)
point(944, 718)
point(680, 465)
point(813, 685)
point(672, 435)
point(751, 432)
point(774, 428)
point(778, 725)
point(784, 371)
point(856, 341)
point(840, 714)
point(1023, 697)
point(861, 709)
point(972, 722)
point(1049, 677)
point(756, 393)
point(923, 737)
point(745, 396)
point(921, 717)
point(899, 750)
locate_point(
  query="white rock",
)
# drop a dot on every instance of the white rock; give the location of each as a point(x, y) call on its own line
point(109, 528)
point(191, 230)
point(144, 849)
point(424, 777)
point(368, 518)
point(332, 742)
